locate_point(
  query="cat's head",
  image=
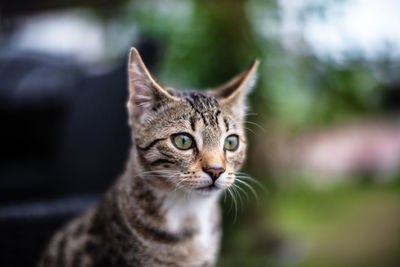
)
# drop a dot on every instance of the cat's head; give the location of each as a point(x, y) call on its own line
point(188, 140)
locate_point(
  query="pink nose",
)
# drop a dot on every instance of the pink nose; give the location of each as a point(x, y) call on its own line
point(214, 172)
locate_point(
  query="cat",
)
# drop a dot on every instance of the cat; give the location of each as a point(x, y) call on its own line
point(163, 210)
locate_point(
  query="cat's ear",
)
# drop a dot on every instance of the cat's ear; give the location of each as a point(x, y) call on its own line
point(145, 93)
point(233, 93)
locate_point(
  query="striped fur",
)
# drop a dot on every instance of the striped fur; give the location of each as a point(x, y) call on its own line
point(163, 210)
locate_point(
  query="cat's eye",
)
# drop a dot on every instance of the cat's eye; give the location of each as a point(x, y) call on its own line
point(182, 141)
point(231, 143)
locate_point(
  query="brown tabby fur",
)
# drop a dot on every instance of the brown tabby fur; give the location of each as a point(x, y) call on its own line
point(159, 212)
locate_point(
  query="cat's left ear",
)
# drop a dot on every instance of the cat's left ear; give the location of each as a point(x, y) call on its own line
point(233, 93)
point(145, 93)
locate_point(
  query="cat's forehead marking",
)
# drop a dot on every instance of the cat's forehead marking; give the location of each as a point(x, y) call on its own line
point(205, 106)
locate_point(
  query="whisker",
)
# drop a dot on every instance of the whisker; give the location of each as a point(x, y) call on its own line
point(179, 184)
point(234, 203)
point(243, 175)
point(256, 124)
point(232, 198)
point(236, 188)
point(224, 195)
point(254, 181)
point(248, 186)
point(160, 171)
point(242, 190)
point(250, 130)
point(154, 175)
point(240, 200)
point(229, 192)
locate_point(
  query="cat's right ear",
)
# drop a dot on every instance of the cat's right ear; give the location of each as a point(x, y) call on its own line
point(233, 94)
point(145, 93)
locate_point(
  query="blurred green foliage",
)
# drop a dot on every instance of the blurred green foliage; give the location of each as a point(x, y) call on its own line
point(346, 226)
point(207, 42)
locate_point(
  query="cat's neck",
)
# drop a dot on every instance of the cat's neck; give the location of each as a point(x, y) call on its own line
point(182, 209)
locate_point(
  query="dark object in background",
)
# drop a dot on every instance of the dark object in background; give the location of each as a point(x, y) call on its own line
point(64, 139)
point(11, 8)
point(391, 97)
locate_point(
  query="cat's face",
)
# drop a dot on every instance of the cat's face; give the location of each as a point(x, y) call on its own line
point(195, 142)
point(187, 140)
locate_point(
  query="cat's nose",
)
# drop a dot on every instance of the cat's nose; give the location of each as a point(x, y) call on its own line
point(214, 172)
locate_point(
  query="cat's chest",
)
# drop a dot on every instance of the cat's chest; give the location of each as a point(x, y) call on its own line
point(200, 217)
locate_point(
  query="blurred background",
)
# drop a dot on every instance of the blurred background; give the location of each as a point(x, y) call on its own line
point(324, 125)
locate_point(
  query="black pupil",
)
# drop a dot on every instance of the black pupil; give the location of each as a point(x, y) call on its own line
point(184, 139)
point(230, 141)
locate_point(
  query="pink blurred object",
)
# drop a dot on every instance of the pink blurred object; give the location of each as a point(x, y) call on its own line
point(359, 148)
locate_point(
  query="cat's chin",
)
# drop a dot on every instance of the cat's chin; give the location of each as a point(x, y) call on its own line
point(207, 190)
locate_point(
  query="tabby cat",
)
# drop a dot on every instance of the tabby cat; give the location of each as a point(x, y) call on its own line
point(163, 210)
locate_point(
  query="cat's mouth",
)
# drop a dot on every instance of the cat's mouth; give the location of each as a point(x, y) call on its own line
point(208, 188)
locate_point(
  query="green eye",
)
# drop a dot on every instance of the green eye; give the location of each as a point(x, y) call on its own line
point(231, 143)
point(182, 141)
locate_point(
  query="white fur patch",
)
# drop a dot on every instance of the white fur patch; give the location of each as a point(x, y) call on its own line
point(180, 206)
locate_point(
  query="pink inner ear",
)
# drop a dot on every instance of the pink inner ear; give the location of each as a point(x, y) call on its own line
point(142, 98)
point(144, 105)
point(141, 103)
point(139, 85)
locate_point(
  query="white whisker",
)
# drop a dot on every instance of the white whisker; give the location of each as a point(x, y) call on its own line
point(243, 175)
point(242, 190)
point(250, 130)
point(234, 201)
point(235, 189)
point(256, 124)
point(248, 186)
